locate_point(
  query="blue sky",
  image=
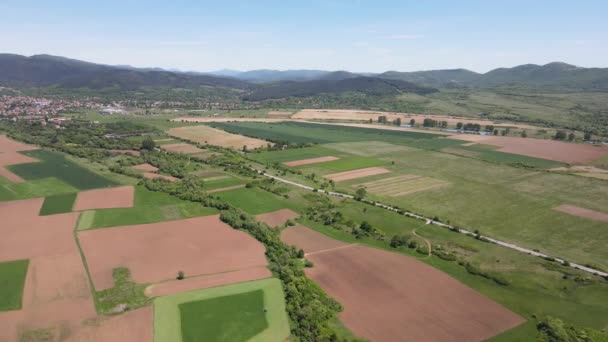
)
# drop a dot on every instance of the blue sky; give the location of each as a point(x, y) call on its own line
point(351, 35)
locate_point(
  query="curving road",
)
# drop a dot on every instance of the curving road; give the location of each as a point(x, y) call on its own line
point(440, 224)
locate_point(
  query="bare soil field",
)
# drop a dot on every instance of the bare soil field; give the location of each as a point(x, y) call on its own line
point(151, 175)
point(277, 218)
point(56, 292)
point(353, 174)
point(208, 135)
point(10, 176)
point(132, 152)
point(402, 185)
point(540, 148)
point(156, 252)
point(182, 148)
point(582, 212)
point(119, 197)
point(145, 167)
point(9, 145)
point(309, 240)
point(133, 326)
point(206, 281)
point(301, 162)
point(390, 297)
point(238, 186)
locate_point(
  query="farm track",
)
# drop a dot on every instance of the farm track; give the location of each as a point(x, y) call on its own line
point(427, 242)
point(443, 225)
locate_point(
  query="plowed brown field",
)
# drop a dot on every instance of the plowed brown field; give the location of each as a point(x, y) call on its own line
point(309, 161)
point(156, 252)
point(582, 212)
point(119, 197)
point(391, 297)
point(277, 218)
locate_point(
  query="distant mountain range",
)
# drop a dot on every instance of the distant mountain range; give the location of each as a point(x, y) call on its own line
point(47, 71)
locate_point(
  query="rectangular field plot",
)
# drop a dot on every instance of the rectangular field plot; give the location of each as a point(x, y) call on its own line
point(345, 164)
point(54, 164)
point(255, 201)
point(250, 311)
point(148, 207)
point(293, 154)
point(354, 174)
point(35, 188)
point(58, 204)
point(368, 148)
point(12, 280)
point(402, 185)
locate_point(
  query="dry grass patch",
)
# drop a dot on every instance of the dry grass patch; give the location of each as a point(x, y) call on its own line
point(582, 212)
point(277, 218)
point(301, 162)
point(208, 135)
point(278, 113)
point(354, 174)
point(402, 185)
point(368, 148)
point(182, 148)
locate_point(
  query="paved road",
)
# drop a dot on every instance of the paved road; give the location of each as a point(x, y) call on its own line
point(440, 224)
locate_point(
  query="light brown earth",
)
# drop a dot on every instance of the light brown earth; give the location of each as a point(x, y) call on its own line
point(309, 240)
point(145, 167)
point(391, 297)
point(208, 135)
point(119, 197)
point(309, 161)
point(277, 113)
point(206, 281)
point(132, 152)
point(540, 148)
point(233, 187)
point(277, 218)
point(156, 252)
point(353, 174)
point(132, 326)
point(56, 291)
point(182, 148)
point(151, 175)
point(582, 212)
point(9, 145)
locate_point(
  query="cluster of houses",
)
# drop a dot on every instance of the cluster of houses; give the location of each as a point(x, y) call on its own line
point(25, 106)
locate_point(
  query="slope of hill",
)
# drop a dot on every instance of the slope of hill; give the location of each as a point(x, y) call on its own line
point(366, 85)
point(45, 70)
point(435, 78)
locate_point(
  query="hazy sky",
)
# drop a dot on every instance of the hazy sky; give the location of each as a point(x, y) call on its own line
point(351, 35)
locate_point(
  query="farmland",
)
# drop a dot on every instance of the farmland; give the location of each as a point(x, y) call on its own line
point(12, 280)
point(233, 313)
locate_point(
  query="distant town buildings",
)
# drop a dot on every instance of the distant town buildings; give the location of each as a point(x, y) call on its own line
point(25, 106)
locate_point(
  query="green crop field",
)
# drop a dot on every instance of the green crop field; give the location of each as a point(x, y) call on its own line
point(10, 191)
point(12, 280)
point(345, 164)
point(489, 154)
point(298, 132)
point(221, 318)
point(55, 164)
point(148, 207)
point(226, 313)
point(256, 201)
point(58, 204)
point(222, 183)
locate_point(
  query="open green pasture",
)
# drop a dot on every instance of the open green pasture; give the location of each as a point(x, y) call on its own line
point(218, 183)
point(148, 207)
point(256, 201)
point(513, 204)
point(55, 164)
point(12, 280)
point(293, 154)
point(226, 313)
point(10, 191)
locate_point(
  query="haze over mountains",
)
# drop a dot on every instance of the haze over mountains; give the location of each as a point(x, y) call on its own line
point(53, 71)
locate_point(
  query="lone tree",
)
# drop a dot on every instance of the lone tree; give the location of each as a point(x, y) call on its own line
point(180, 275)
point(560, 135)
point(459, 125)
point(412, 122)
point(587, 135)
point(148, 144)
point(524, 134)
point(571, 136)
point(360, 194)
